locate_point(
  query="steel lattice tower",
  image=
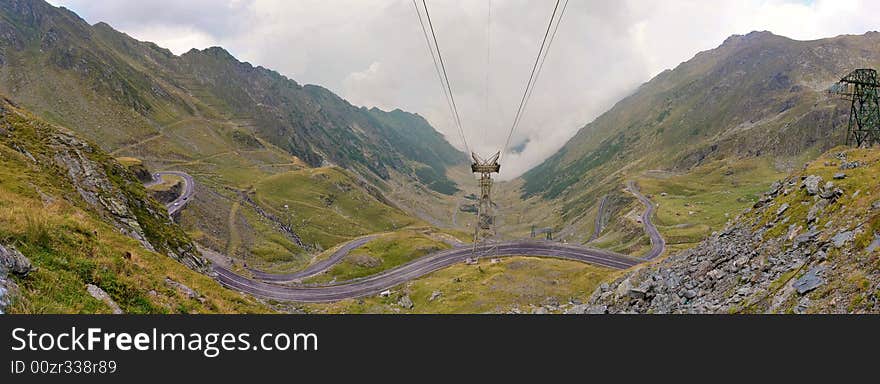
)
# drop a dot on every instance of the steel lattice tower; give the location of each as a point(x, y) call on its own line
point(484, 230)
point(861, 88)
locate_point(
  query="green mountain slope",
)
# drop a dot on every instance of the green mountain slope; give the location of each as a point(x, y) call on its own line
point(117, 90)
point(755, 95)
point(229, 124)
point(83, 219)
point(810, 245)
point(757, 102)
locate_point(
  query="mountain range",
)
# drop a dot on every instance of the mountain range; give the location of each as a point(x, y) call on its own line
point(757, 97)
point(285, 174)
point(117, 91)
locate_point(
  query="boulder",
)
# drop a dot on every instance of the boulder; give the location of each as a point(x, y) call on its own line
point(597, 310)
point(13, 261)
point(849, 165)
point(842, 238)
point(189, 292)
point(623, 288)
point(716, 274)
point(830, 192)
point(805, 238)
point(816, 210)
point(811, 184)
point(839, 176)
point(435, 295)
point(100, 295)
point(637, 293)
point(406, 302)
point(810, 281)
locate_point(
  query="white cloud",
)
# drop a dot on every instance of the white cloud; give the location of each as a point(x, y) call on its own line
point(373, 53)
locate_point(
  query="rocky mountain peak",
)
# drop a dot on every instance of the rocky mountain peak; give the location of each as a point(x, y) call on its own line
point(750, 37)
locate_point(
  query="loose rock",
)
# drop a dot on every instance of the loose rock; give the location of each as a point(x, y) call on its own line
point(810, 281)
point(841, 238)
point(850, 165)
point(811, 184)
point(99, 294)
point(13, 261)
point(192, 294)
point(405, 302)
point(782, 209)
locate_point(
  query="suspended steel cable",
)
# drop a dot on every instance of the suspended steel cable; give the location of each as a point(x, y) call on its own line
point(544, 58)
point(437, 68)
point(445, 76)
point(488, 53)
point(529, 84)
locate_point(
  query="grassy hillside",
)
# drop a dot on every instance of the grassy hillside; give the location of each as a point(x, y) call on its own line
point(810, 244)
point(755, 95)
point(383, 253)
point(326, 206)
point(82, 218)
point(229, 124)
point(756, 107)
point(512, 285)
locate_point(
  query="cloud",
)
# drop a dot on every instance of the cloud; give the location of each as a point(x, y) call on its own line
point(373, 53)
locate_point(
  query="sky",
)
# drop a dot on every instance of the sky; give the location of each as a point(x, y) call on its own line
point(373, 53)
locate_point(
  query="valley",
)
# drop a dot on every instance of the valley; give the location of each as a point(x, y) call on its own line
point(137, 180)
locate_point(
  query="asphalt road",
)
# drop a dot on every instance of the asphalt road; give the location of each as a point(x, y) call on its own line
point(658, 244)
point(188, 190)
point(379, 282)
point(315, 268)
point(597, 227)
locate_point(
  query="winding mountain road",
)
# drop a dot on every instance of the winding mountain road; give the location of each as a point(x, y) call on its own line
point(374, 284)
point(315, 268)
point(379, 282)
point(597, 227)
point(658, 243)
point(188, 189)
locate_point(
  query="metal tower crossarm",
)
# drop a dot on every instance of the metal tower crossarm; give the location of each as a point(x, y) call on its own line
point(862, 88)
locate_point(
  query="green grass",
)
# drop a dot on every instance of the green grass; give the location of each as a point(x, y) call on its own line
point(690, 206)
point(72, 248)
point(326, 206)
point(71, 245)
point(516, 282)
point(129, 161)
point(381, 254)
point(845, 209)
point(168, 181)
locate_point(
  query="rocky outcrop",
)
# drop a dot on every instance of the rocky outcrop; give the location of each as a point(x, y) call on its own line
point(166, 196)
point(101, 184)
point(92, 183)
point(12, 262)
point(273, 220)
point(141, 172)
point(769, 259)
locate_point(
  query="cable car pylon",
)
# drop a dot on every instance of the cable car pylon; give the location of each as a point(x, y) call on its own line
point(484, 230)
